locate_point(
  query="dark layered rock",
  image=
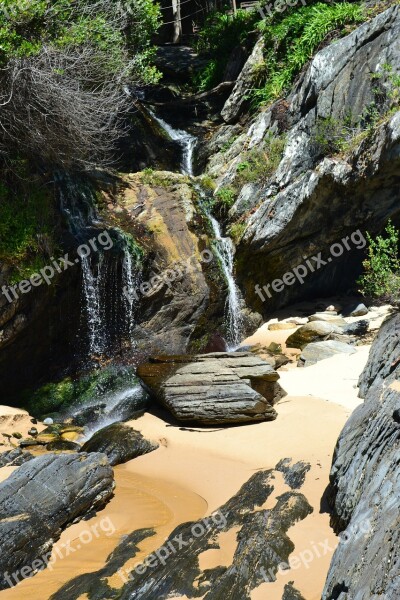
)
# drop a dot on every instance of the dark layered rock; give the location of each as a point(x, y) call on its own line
point(173, 570)
point(290, 593)
point(312, 202)
point(14, 458)
point(43, 497)
point(119, 443)
point(365, 482)
point(218, 388)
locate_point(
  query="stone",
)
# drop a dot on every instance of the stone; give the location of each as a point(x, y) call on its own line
point(17, 435)
point(63, 446)
point(33, 432)
point(315, 331)
point(328, 317)
point(357, 328)
point(119, 443)
point(290, 593)
point(14, 458)
point(220, 388)
point(365, 484)
point(261, 547)
point(34, 513)
point(359, 311)
point(316, 351)
point(280, 326)
point(294, 474)
point(48, 421)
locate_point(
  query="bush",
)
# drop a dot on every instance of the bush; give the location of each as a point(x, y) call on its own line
point(220, 34)
point(381, 278)
point(64, 68)
point(261, 163)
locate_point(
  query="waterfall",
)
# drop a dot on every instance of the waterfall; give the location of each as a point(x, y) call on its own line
point(224, 248)
point(184, 139)
point(104, 302)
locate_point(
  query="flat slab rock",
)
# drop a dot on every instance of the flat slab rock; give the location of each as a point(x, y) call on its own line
point(39, 500)
point(218, 388)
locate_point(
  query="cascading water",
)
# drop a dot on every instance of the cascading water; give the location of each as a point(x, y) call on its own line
point(78, 205)
point(224, 248)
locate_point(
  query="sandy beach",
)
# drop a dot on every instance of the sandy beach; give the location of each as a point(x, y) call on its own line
point(196, 470)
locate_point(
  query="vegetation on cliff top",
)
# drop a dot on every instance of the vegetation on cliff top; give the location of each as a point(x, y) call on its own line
point(64, 65)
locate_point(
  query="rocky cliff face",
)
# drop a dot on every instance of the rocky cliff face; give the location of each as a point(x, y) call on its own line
point(365, 482)
point(313, 201)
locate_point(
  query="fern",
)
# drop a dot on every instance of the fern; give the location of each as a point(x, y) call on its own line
point(292, 41)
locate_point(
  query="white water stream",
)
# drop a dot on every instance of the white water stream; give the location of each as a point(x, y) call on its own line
point(224, 248)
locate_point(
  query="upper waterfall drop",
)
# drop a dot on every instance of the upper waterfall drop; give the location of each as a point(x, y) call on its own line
point(187, 142)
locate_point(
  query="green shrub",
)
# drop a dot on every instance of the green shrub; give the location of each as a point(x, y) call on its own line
point(27, 227)
point(261, 163)
point(381, 277)
point(225, 198)
point(291, 39)
point(236, 231)
point(218, 37)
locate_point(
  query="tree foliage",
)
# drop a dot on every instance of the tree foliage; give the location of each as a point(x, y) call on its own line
point(64, 68)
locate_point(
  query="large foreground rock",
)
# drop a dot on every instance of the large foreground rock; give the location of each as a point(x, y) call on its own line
point(120, 443)
point(365, 483)
point(219, 388)
point(40, 499)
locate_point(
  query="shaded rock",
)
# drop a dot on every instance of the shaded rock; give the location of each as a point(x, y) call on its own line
point(119, 443)
point(34, 513)
point(311, 332)
point(365, 482)
point(239, 96)
point(384, 357)
point(290, 593)
point(294, 474)
point(216, 343)
point(17, 435)
point(63, 446)
point(359, 311)
point(28, 442)
point(14, 458)
point(316, 351)
point(33, 432)
point(358, 328)
point(218, 388)
point(263, 544)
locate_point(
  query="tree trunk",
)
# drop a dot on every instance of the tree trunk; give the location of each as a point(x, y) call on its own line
point(176, 10)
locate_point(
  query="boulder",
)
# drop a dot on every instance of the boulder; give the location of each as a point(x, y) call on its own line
point(328, 317)
point(313, 353)
point(281, 325)
point(39, 500)
point(63, 446)
point(14, 458)
point(357, 328)
point(365, 483)
point(220, 388)
point(119, 443)
point(311, 332)
point(359, 311)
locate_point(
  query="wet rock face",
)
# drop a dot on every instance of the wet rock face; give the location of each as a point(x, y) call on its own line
point(219, 388)
point(263, 545)
point(42, 498)
point(119, 443)
point(365, 482)
point(175, 292)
